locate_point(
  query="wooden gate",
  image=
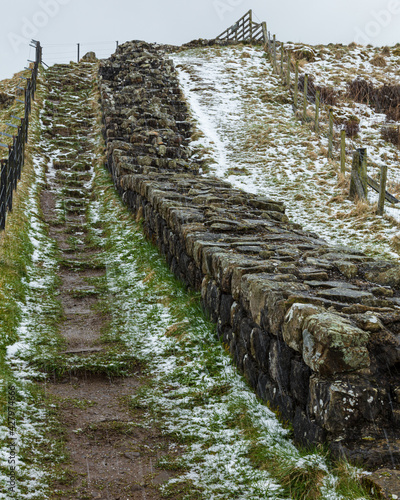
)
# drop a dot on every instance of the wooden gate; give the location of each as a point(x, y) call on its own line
point(246, 30)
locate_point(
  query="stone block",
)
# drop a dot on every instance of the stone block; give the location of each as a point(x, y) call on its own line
point(332, 344)
point(300, 382)
point(250, 371)
point(292, 330)
point(225, 309)
point(343, 406)
point(213, 299)
point(306, 432)
point(280, 356)
point(259, 347)
point(246, 327)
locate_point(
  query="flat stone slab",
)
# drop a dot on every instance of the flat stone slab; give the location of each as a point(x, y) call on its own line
point(330, 284)
point(343, 294)
point(386, 482)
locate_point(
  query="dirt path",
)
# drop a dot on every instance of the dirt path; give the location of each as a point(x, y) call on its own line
point(111, 456)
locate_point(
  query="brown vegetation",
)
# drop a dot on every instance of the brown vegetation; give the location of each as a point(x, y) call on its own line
point(327, 94)
point(391, 134)
point(379, 61)
point(385, 99)
point(5, 100)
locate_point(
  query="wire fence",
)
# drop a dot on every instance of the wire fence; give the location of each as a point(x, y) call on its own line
point(11, 167)
point(64, 53)
point(314, 105)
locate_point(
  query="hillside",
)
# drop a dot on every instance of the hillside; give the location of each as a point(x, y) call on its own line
point(10, 107)
point(124, 385)
point(249, 135)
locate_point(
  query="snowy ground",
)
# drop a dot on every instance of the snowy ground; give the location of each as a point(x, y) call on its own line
point(250, 136)
point(336, 67)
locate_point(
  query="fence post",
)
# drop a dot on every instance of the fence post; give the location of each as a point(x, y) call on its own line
point(79, 48)
point(343, 151)
point(363, 170)
point(251, 25)
point(282, 52)
point(305, 97)
point(316, 124)
point(296, 85)
point(288, 68)
point(358, 182)
point(382, 190)
point(330, 134)
point(3, 194)
point(265, 34)
point(10, 181)
point(274, 53)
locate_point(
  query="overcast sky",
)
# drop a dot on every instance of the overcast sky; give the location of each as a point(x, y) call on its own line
point(61, 24)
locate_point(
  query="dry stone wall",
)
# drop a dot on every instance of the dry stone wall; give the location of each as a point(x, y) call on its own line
point(314, 328)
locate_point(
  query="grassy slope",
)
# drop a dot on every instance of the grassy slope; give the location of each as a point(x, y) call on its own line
point(9, 87)
point(235, 447)
point(29, 314)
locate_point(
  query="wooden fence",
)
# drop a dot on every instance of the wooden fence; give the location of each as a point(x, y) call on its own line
point(304, 95)
point(11, 167)
point(246, 30)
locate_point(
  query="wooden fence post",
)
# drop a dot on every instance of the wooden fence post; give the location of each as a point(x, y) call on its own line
point(382, 190)
point(316, 123)
point(288, 68)
point(305, 97)
point(358, 182)
point(330, 134)
point(251, 25)
point(282, 52)
point(265, 34)
point(363, 171)
point(274, 54)
point(343, 151)
point(296, 85)
point(79, 48)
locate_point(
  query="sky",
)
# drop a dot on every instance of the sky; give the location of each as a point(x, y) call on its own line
point(98, 24)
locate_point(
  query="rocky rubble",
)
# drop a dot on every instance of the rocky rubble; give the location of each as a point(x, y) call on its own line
point(314, 328)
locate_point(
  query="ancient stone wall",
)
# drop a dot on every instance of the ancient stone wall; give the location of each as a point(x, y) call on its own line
point(314, 328)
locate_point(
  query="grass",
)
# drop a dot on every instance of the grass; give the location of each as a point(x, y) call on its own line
point(29, 314)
